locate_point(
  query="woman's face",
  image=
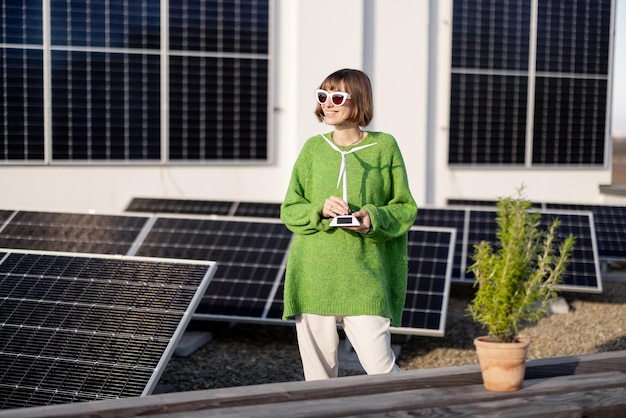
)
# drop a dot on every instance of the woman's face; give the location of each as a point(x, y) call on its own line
point(337, 108)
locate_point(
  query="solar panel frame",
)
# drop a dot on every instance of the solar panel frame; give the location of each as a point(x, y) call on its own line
point(70, 334)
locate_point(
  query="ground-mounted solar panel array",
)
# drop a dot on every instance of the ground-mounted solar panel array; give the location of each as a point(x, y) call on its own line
point(81, 327)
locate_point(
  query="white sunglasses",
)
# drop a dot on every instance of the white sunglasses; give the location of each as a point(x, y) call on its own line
point(338, 98)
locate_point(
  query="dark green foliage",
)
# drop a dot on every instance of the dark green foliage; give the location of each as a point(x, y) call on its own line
point(515, 282)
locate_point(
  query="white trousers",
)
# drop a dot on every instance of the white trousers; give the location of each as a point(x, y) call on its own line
point(318, 341)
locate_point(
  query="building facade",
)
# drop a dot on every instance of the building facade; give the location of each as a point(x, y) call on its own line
point(106, 101)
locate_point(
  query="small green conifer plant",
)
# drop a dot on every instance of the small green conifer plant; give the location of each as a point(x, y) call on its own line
point(515, 282)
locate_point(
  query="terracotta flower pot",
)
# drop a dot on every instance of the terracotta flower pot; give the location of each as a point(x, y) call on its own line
point(502, 364)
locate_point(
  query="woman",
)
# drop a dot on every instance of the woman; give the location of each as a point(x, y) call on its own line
point(353, 275)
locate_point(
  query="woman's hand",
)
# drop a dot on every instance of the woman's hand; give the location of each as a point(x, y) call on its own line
point(366, 222)
point(334, 206)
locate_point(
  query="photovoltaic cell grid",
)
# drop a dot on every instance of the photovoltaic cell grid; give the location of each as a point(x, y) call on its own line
point(609, 223)
point(72, 232)
point(81, 328)
point(475, 224)
point(251, 256)
point(204, 207)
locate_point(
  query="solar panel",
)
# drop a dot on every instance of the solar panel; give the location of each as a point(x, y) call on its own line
point(204, 207)
point(430, 255)
point(77, 327)
point(476, 223)
point(251, 256)
point(448, 218)
point(583, 272)
point(609, 223)
point(259, 210)
point(182, 206)
point(72, 232)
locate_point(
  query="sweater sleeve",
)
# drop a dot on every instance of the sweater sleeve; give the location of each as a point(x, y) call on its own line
point(396, 217)
point(297, 212)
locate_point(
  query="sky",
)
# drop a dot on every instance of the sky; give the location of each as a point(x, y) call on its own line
point(618, 122)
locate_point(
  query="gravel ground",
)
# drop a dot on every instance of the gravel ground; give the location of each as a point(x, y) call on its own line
point(248, 354)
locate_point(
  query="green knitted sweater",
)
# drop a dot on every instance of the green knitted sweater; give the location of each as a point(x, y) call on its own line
point(334, 271)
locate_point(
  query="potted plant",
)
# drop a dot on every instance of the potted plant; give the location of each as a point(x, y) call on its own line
point(515, 282)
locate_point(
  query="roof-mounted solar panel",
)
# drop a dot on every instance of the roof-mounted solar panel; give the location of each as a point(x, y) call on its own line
point(181, 206)
point(583, 271)
point(609, 222)
point(456, 218)
point(72, 232)
point(205, 207)
point(610, 227)
point(76, 327)
point(251, 256)
point(430, 260)
point(258, 210)
point(475, 223)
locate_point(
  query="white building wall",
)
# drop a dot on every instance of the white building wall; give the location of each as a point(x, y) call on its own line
point(405, 47)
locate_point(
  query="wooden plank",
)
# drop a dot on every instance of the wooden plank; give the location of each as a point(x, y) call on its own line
point(258, 394)
point(561, 366)
point(453, 377)
point(356, 404)
point(605, 403)
point(458, 400)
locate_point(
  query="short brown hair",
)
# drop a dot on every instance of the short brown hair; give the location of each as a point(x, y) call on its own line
point(357, 83)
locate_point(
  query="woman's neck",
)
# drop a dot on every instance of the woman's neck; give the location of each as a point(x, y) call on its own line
point(347, 137)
